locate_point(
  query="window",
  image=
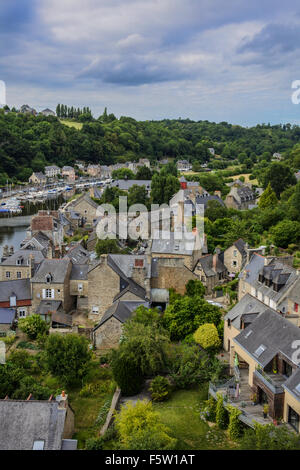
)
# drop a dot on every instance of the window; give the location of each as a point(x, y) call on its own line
point(7, 274)
point(295, 307)
point(49, 278)
point(248, 333)
point(80, 287)
point(13, 301)
point(19, 274)
point(294, 419)
point(38, 445)
point(260, 350)
point(234, 263)
point(234, 252)
point(287, 369)
point(48, 293)
point(95, 310)
point(22, 313)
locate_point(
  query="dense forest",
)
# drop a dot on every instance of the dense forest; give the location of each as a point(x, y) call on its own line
point(28, 143)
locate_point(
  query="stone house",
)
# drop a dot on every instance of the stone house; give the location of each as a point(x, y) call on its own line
point(107, 333)
point(115, 277)
point(48, 223)
point(183, 165)
point(38, 178)
point(79, 286)
point(20, 265)
point(37, 424)
point(47, 112)
point(68, 172)
point(105, 172)
point(265, 351)
point(170, 273)
point(240, 197)
point(94, 171)
point(211, 271)
point(84, 206)
point(52, 171)
point(51, 287)
point(235, 256)
point(16, 295)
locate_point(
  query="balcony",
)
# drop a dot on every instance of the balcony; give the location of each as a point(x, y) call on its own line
point(272, 381)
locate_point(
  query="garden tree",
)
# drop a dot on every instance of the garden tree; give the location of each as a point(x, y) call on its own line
point(214, 210)
point(222, 417)
point(109, 245)
point(146, 345)
point(193, 288)
point(10, 377)
point(279, 175)
point(111, 196)
point(137, 195)
point(139, 428)
point(123, 174)
point(238, 229)
point(285, 233)
point(294, 202)
point(28, 385)
point(143, 173)
point(185, 315)
point(171, 187)
point(160, 388)
point(68, 356)
point(146, 316)
point(126, 372)
point(295, 157)
point(33, 326)
point(268, 198)
point(189, 366)
point(157, 190)
point(269, 437)
point(207, 336)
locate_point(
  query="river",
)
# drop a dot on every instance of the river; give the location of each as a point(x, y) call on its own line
point(12, 236)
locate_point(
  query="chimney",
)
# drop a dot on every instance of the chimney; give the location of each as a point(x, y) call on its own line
point(11, 250)
point(62, 400)
point(214, 262)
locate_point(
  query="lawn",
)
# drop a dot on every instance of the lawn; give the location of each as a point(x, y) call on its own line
point(77, 125)
point(181, 413)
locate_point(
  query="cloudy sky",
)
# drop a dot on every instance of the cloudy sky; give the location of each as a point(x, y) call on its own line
point(221, 60)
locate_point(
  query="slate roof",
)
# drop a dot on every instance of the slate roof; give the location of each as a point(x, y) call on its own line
point(23, 422)
point(121, 310)
point(7, 316)
point(173, 246)
point(125, 185)
point(294, 294)
point(20, 288)
point(276, 271)
point(293, 382)
point(56, 267)
point(240, 244)
point(79, 272)
point(84, 197)
point(48, 306)
point(77, 254)
point(274, 332)
point(23, 256)
point(205, 198)
point(206, 263)
point(126, 263)
point(248, 306)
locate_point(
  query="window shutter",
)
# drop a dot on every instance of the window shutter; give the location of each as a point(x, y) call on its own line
point(44, 293)
point(52, 293)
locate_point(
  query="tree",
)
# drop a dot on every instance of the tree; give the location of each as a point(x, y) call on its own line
point(185, 315)
point(123, 174)
point(214, 210)
point(140, 428)
point(68, 356)
point(268, 198)
point(193, 288)
point(279, 175)
point(222, 417)
point(207, 336)
point(137, 195)
point(33, 326)
point(109, 245)
point(143, 173)
point(126, 373)
point(285, 233)
point(269, 437)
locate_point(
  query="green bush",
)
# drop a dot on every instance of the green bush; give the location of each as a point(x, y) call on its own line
point(221, 414)
point(94, 443)
point(211, 409)
point(160, 388)
point(235, 425)
point(33, 326)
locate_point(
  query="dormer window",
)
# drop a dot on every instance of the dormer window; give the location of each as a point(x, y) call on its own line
point(49, 278)
point(19, 261)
